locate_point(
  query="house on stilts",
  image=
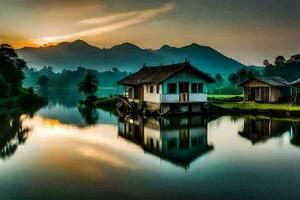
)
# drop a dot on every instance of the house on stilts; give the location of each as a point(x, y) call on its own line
point(176, 88)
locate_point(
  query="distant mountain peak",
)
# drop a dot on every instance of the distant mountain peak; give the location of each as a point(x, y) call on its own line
point(165, 46)
point(126, 56)
point(76, 43)
point(126, 45)
point(195, 45)
point(80, 42)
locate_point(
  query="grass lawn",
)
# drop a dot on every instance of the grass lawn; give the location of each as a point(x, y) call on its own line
point(223, 96)
point(258, 106)
point(109, 101)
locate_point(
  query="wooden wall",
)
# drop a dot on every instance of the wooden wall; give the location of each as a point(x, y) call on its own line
point(275, 92)
point(254, 83)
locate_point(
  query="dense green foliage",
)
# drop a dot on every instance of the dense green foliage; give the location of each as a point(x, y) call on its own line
point(68, 79)
point(11, 76)
point(228, 86)
point(89, 84)
point(289, 70)
point(241, 75)
point(43, 81)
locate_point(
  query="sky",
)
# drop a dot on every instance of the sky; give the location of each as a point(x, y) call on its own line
point(246, 30)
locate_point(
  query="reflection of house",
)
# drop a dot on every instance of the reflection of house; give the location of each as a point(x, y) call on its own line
point(260, 130)
point(179, 85)
point(178, 140)
point(296, 84)
point(295, 134)
point(265, 89)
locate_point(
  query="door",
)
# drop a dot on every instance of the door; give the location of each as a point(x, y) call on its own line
point(184, 136)
point(184, 91)
point(184, 87)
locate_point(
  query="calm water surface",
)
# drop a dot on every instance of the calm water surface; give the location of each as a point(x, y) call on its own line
point(65, 152)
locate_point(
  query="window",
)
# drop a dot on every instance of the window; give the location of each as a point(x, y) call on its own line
point(197, 87)
point(172, 88)
point(194, 88)
point(151, 88)
point(200, 87)
point(157, 89)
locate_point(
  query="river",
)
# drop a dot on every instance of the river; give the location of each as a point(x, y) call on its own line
point(68, 152)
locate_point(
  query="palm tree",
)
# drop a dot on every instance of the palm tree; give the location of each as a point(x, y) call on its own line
point(89, 85)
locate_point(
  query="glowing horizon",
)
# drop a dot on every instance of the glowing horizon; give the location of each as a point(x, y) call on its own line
point(241, 30)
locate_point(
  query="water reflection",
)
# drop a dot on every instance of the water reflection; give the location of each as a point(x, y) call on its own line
point(179, 140)
point(259, 130)
point(68, 97)
point(12, 133)
point(295, 134)
point(89, 114)
point(92, 161)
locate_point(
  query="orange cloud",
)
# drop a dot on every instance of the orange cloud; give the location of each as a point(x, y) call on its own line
point(132, 18)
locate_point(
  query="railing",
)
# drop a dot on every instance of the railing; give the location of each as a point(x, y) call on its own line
point(173, 98)
point(184, 97)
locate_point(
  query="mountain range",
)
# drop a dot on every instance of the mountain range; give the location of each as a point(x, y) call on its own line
point(126, 57)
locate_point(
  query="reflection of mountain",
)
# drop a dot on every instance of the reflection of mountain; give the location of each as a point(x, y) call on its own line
point(178, 140)
point(260, 130)
point(12, 134)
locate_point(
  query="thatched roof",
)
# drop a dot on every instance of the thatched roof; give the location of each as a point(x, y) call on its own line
point(275, 81)
point(157, 74)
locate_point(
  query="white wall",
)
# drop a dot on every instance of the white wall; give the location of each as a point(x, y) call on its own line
point(170, 98)
point(152, 97)
point(193, 98)
point(198, 97)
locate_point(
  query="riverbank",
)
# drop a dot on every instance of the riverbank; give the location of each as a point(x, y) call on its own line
point(218, 104)
point(109, 102)
point(276, 110)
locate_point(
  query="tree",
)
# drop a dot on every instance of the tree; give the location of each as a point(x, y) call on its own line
point(219, 78)
point(242, 74)
point(4, 87)
point(251, 74)
point(266, 63)
point(115, 69)
point(279, 61)
point(233, 79)
point(89, 84)
point(11, 68)
point(43, 81)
